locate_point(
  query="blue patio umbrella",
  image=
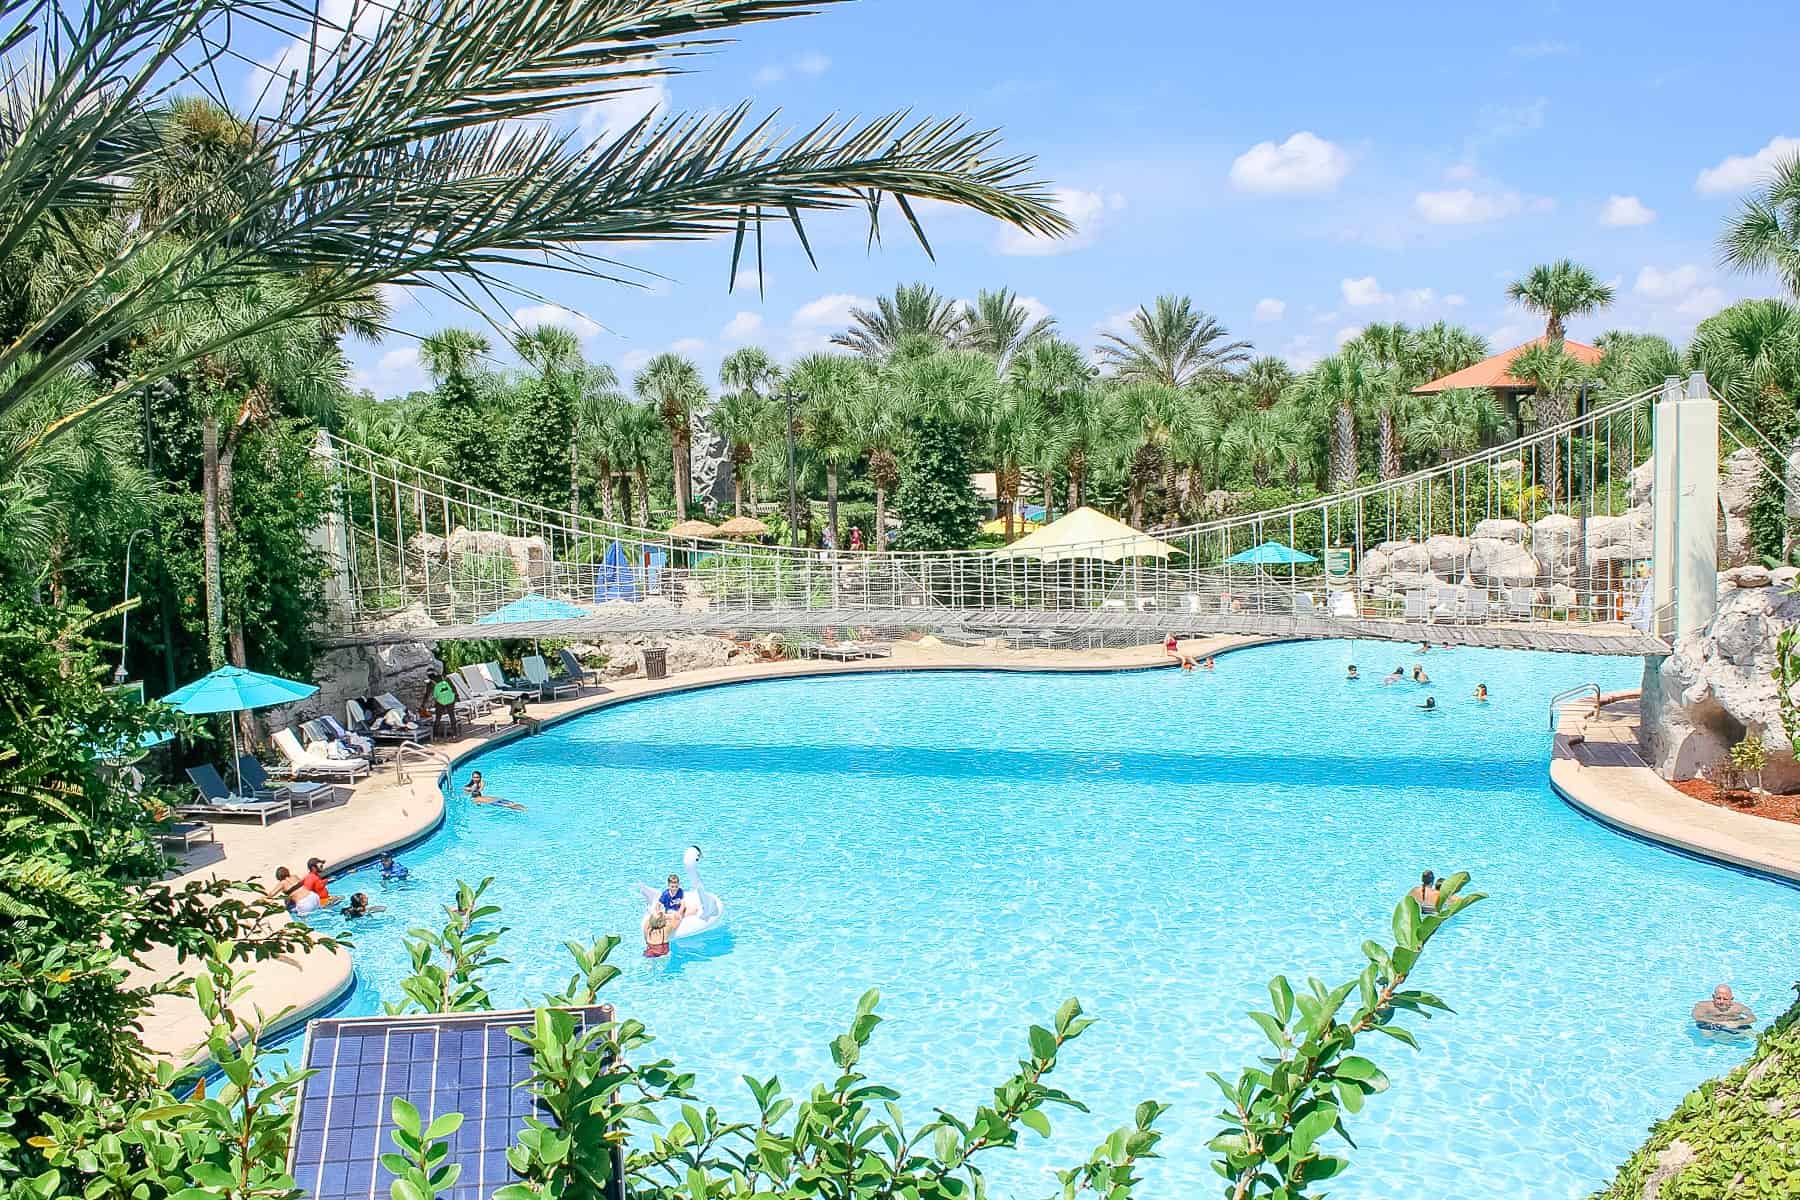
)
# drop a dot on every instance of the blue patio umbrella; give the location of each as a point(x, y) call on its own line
point(616, 578)
point(533, 608)
point(234, 689)
point(1270, 554)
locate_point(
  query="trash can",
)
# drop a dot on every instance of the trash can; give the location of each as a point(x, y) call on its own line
point(656, 662)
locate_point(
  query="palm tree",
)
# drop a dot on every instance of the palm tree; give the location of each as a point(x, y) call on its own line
point(1764, 234)
point(914, 310)
point(826, 385)
point(1015, 426)
point(1000, 326)
point(593, 389)
point(879, 415)
point(1337, 388)
point(1751, 353)
point(1196, 443)
point(1146, 412)
point(1260, 440)
point(1174, 344)
point(673, 387)
point(1554, 374)
point(635, 438)
point(1557, 291)
point(1058, 377)
point(747, 378)
point(1444, 348)
point(1454, 422)
point(453, 354)
point(420, 157)
point(1266, 380)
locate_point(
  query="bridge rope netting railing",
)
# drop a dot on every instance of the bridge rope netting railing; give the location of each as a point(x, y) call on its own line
point(1552, 526)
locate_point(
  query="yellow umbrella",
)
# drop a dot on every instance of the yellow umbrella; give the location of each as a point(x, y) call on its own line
point(997, 526)
point(741, 527)
point(1086, 533)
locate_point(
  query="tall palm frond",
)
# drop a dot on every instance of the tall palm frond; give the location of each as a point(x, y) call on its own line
point(914, 311)
point(1560, 290)
point(1173, 344)
point(1001, 326)
point(1764, 234)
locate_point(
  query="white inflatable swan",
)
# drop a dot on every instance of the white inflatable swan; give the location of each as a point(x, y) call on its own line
point(701, 910)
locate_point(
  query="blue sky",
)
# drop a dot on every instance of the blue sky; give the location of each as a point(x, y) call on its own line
point(1299, 169)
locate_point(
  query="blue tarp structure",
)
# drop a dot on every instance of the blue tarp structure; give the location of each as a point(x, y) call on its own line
point(1270, 554)
point(653, 571)
point(532, 608)
point(617, 579)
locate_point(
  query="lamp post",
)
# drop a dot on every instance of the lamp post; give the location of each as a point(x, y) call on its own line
point(119, 675)
point(787, 397)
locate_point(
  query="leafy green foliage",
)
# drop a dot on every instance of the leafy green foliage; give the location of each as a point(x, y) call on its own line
point(447, 964)
point(420, 1170)
point(1278, 1115)
point(936, 503)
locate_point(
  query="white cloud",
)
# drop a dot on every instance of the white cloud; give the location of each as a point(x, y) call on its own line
point(1346, 333)
point(1305, 162)
point(812, 65)
point(1035, 309)
point(742, 327)
point(1418, 297)
point(1119, 322)
point(832, 310)
point(1466, 206)
point(1462, 171)
point(634, 360)
point(395, 373)
point(746, 280)
point(266, 80)
point(534, 315)
point(1301, 352)
point(1270, 309)
point(1740, 172)
point(1455, 300)
point(1702, 302)
point(606, 120)
point(1658, 284)
point(688, 346)
point(1507, 336)
point(1621, 211)
point(1085, 210)
point(1361, 293)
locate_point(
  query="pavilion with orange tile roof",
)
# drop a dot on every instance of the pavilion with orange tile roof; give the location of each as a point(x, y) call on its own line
point(1494, 374)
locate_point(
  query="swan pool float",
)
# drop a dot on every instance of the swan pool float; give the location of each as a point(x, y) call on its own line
point(701, 911)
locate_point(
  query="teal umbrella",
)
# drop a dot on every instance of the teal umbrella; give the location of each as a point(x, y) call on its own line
point(533, 608)
point(234, 689)
point(1270, 554)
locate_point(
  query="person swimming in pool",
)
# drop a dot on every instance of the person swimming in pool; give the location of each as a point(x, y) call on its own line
point(656, 934)
point(669, 909)
point(391, 869)
point(1352, 673)
point(1419, 675)
point(1430, 704)
point(476, 790)
point(1481, 693)
point(359, 906)
point(1426, 894)
point(1394, 676)
point(1724, 1013)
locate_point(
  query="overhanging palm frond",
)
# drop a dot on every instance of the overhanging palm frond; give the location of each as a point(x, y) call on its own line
point(411, 145)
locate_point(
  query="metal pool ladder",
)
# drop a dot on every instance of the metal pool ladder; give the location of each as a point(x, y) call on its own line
point(1567, 694)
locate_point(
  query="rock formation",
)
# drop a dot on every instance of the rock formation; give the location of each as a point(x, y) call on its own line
point(349, 672)
point(1718, 684)
point(710, 458)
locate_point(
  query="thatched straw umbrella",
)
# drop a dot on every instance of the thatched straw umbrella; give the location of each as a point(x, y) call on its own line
point(692, 530)
point(743, 527)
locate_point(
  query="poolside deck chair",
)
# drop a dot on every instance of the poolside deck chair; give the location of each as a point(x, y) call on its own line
point(1343, 604)
point(574, 670)
point(468, 704)
point(258, 784)
point(185, 834)
point(385, 734)
point(537, 672)
point(1449, 604)
point(1475, 605)
point(502, 681)
point(1518, 603)
point(1305, 605)
point(302, 762)
point(481, 686)
point(1416, 608)
point(217, 800)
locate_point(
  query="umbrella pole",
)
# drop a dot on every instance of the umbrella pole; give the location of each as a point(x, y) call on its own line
point(231, 719)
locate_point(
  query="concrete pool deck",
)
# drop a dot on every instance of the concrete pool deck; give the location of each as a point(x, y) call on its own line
point(384, 810)
point(1595, 766)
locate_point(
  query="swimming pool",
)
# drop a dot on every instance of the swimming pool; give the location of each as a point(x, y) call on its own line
point(980, 846)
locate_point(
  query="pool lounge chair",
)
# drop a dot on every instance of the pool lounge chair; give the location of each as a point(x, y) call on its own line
point(1417, 608)
point(1475, 605)
point(481, 686)
point(184, 835)
point(574, 670)
point(217, 800)
point(258, 784)
point(1518, 603)
point(302, 761)
point(853, 652)
point(538, 673)
point(1449, 604)
point(1305, 605)
point(390, 735)
point(468, 704)
point(502, 681)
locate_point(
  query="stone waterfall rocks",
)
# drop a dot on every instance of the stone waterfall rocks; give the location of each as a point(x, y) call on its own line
point(350, 672)
point(709, 456)
point(1718, 685)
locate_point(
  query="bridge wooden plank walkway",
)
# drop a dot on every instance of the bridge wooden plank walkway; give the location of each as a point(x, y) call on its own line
point(1153, 625)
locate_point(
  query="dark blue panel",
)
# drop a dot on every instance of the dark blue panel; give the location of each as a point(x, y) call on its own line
point(368, 1079)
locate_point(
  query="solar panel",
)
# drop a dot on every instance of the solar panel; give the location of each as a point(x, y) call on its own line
point(452, 1062)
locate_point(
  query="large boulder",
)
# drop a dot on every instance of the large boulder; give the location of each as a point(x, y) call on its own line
point(1504, 528)
point(474, 550)
point(1553, 542)
point(1500, 562)
point(1738, 481)
point(625, 658)
point(1449, 555)
point(709, 458)
point(1718, 685)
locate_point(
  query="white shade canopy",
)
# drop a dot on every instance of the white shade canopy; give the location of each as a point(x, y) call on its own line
point(1086, 533)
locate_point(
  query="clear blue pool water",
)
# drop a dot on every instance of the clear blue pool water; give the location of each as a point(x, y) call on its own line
point(980, 846)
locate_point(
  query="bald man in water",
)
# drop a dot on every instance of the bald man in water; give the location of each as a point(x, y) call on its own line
point(1724, 1012)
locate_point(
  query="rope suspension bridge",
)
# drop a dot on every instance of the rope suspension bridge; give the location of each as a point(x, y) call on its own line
point(1598, 535)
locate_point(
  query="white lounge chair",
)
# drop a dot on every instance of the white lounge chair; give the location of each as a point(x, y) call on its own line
point(1518, 603)
point(1449, 604)
point(481, 686)
point(258, 784)
point(503, 683)
point(538, 674)
point(1417, 607)
point(1305, 604)
point(1343, 604)
point(1476, 605)
point(302, 762)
